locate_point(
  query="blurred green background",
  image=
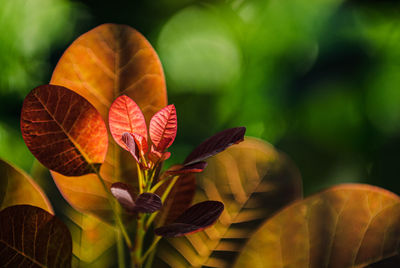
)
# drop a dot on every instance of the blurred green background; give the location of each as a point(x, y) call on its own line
point(319, 79)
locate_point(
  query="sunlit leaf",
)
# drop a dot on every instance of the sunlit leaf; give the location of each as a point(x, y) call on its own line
point(17, 188)
point(126, 116)
point(102, 64)
point(194, 219)
point(163, 127)
point(30, 236)
point(63, 130)
point(216, 144)
point(253, 181)
point(345, 226)
point(179, 199)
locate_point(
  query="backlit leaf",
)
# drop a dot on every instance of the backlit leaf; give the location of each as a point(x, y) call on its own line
point(17, 188)
point(194, 219)
point(63, 130)
point(179, 199)
point(31, 237)
point(126, 116)
point(345, 226)
point(216, 144)
point(253, 181)
point(163, 128)
point(102, 64)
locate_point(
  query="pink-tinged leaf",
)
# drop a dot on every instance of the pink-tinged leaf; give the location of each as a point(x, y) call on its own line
point(192, 168)
point(126, 116)
point(63, 130)
point(124, 194)
point(163, 127)
point(216, 144)
point(147, 203)
point(194, 219)
point(32, 237)
point(130, 144)
point(141, 142)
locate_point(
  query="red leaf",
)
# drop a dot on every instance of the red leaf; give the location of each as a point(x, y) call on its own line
point(194, 219)
point(63, 130)
point(192, 168)
point(126, 116)
point(156, 156)
point(216, 144)
point(163, 127)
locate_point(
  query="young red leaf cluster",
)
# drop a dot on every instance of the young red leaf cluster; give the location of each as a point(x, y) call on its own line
point(128, 128)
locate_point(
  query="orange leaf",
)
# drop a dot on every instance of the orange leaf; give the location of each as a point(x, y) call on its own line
point(253, 181)
point(17, 188)
point(101, 65)
point(126, 116)
point(345, 226)
point(63, 130)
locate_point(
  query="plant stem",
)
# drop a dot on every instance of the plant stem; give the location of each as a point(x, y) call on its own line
point(136, 254)
point(120, 248)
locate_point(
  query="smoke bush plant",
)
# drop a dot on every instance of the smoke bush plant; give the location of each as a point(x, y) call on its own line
point(105, 76)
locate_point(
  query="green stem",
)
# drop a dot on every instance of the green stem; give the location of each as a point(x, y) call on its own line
point(121, 250)
point(150, 259)
point(136, 254)
point(117, 217)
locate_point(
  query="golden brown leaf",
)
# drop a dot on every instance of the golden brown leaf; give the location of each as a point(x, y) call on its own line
point(253, 181)
point(101, 65)
point(17, 188)
point(345, 226)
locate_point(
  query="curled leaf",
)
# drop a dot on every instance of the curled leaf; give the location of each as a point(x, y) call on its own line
point(349, 225)
point(147, 203)
point(126, 116)
point(130, 143)
point(163, 127)
point(32, 237)
point(194, 219)
point(63, 130)
point(216, 144)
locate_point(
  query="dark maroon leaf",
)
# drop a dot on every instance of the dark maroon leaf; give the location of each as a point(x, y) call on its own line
point(124, 194)
point(32, 237)
point(194, 219)
point(192, 168)
point(216, 144)
point(147, 203)
point(129, 141)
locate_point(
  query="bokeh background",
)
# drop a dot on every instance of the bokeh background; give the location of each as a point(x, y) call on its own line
point(319, 79)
